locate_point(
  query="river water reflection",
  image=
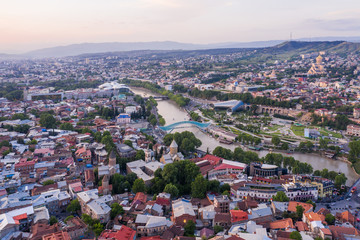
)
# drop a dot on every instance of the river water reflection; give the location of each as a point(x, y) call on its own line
point(172, 113)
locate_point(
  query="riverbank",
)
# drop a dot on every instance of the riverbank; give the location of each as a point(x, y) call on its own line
point(172, 113)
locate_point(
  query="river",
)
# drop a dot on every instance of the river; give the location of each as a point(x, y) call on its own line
point(172, 113)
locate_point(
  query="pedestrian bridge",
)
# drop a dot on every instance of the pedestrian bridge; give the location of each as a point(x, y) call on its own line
point(178, 124)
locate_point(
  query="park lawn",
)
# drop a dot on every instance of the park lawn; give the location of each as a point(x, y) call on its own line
point(274, 127)
point(298, 130)
point(334, 134)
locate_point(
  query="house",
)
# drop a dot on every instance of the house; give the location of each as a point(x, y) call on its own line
point(182, 211)
point(238, 216)
point(7, 225)
point(306, 206)
point(89, 178)
point(164, 200)
point(222, 219)
point(262, 213)
point(54, 200)
point(222, 204)
point(125, 151)
point(75, 188)
point(283, 224)
point(57, 236)
point(124, 233)
point(147, 225)
point(38, 230)
point(123, 118)
point(95, 206)
point(341, 233)
point(207, 215)
point(76, 228)
point(345, 216)
point(314, 221)
point(84, 154)
point(205, 232)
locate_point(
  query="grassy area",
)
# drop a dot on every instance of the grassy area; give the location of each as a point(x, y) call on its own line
point(334, 134)
point(234, 130)
point(298, 130)
point(274, 127)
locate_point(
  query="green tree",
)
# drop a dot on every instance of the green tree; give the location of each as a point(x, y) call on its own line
point(295, 235)
point(189, 228)
point(187, 145)
point(224, 187)
point(116, 209)
point(47, 120)
point(218, 228)
point(299, 211)
point(138, 186)
point(67, 126)
point(98, 228)
point(285, 146)
point(340, 180)
point(108, 142)
point(172, 189)
point(129, 143)
point(53, 220)
point(68, 218)
point(223, 152)
point(280, 197)
point(74, 206)
point(330, 219)
point(323, 143)
point(275, 140)
point(312, 203)
point(354, 152)
point(87, 219)
point(213, 186)
point(198, 187)
point(140, 154)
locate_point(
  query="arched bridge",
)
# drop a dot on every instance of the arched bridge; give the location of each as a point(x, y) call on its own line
point(175, 125)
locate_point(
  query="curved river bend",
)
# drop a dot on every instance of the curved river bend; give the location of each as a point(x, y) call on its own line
point(172, 113)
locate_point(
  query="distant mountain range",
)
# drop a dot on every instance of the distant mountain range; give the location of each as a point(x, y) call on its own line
point(90, 48)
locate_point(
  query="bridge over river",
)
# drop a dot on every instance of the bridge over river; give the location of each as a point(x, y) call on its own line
point(178, 124)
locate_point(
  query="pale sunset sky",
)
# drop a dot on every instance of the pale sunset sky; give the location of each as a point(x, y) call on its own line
point(31, 24)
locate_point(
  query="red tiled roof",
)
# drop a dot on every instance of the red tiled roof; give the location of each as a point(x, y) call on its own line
point(292, 206)
point(282, 224)
point(123, 234)
point(301, 226)
point(226, 166)
point(214, 160)
point(238, 215)
point(21, 216)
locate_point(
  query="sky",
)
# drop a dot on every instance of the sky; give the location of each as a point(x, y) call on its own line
point(32, 24)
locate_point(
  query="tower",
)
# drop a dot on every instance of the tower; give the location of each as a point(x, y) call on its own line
point(148, 155)
point(112, 163)
point(173, 148)
point(112, 159)
point(105, 185)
